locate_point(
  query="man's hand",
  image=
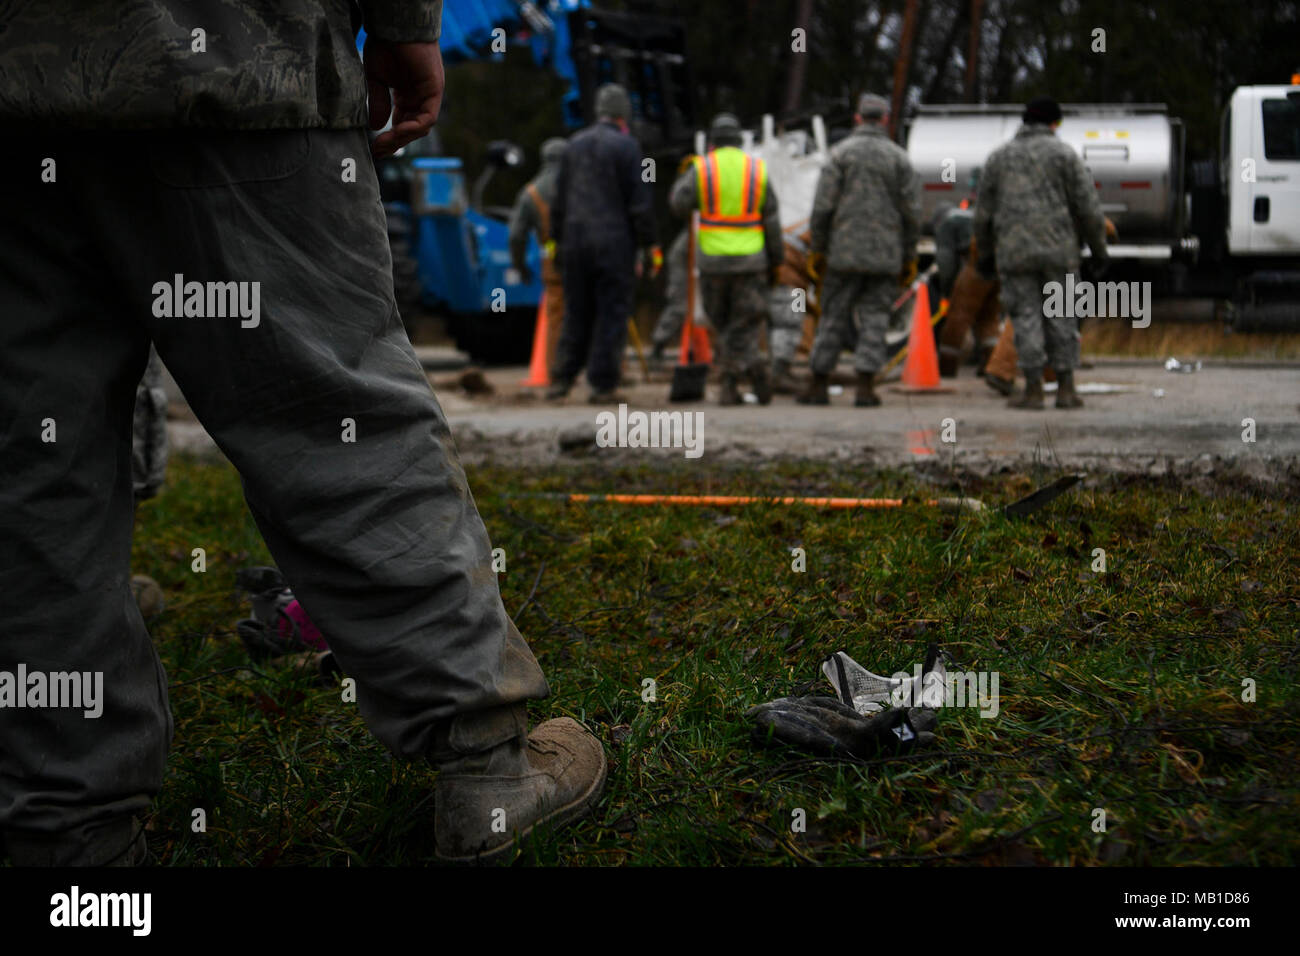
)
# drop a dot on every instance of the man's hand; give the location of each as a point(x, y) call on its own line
point(413, 72)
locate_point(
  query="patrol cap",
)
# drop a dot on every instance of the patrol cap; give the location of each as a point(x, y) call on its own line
point(612, 101)
point(724, 128)
point(872, 106)
point(553, 149)
point(1042, 109)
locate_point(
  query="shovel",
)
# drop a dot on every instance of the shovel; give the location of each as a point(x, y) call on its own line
point(689, 376)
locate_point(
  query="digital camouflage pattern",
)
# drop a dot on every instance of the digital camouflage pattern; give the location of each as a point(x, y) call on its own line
point(785, 324)
point(138, 64)
point(149, 432)
point(855, 316)
point(866, 214)
point(952, 238)
point(737, 306)
point(1037, 203)
point(668, 330)
point(526, 218)
point(1041, 340)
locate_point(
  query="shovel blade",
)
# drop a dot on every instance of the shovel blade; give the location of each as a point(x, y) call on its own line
point(1039, 499)
point(688, 383)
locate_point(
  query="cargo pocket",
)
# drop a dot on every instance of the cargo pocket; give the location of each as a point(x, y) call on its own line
point(202, 159)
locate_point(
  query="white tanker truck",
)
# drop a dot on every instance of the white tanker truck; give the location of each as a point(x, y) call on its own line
point(1227, 228)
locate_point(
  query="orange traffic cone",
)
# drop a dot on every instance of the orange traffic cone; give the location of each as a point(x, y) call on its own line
point(921, 371)
point(538, 373)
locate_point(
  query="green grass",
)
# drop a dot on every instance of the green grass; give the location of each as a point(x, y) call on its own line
point(1119, 690)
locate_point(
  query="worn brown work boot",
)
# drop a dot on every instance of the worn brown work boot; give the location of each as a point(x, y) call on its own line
point(866, 396)
point(485, 800)
point(817, 392)
point(727, 393)
point(761, 379)
point(1032, 397)
point(608, 396)
point(1066, 396)
point(948, 362)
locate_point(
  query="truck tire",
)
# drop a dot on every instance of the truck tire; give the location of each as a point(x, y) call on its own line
point(406, 271)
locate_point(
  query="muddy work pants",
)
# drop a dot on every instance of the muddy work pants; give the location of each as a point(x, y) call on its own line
point(287, 344)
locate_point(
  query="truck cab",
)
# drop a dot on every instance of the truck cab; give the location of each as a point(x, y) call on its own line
point(1260, 170)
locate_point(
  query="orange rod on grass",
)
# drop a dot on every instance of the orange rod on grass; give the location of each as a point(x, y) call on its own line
point(968, 504)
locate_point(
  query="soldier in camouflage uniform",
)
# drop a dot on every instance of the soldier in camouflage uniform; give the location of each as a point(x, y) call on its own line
point(788, 312)
point(149, 431)
point(1036, 200)
point(734, 285)
point(972, 300)
point(668, 329)
point(866, 220)
point(532, 214)
point(233, 160)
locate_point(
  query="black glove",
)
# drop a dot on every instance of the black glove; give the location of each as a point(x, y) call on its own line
point(822, 725)
point(1099, 266)
point(987, 267)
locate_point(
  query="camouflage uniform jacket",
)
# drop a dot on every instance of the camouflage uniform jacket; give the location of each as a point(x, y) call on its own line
point(143, 64)
point(526, 218)
point(1036, 201)
point(867, 212)
point(951, 245)
point(685, 197)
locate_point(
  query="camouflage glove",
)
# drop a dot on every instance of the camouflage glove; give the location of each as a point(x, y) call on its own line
point(822, 725)
point(908, 275)
point(816, 265)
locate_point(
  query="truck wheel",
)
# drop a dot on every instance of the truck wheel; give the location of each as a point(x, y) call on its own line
point(406, 271)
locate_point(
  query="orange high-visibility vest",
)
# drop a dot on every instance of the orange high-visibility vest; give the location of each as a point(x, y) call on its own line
point(731, 185)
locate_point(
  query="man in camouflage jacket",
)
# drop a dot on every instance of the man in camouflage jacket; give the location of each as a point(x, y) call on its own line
point(226, 208)
point(532, 214)
point(866, 220)
point(1036, 199)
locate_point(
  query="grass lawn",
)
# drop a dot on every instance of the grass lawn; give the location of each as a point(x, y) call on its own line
point(1119, 690)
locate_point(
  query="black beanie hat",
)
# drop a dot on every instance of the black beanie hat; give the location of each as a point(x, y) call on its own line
point(1042, 109)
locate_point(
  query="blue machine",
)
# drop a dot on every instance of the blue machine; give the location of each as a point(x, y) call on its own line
point(451, 255)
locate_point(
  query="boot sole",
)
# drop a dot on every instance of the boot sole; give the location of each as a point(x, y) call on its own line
point(558, 817)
